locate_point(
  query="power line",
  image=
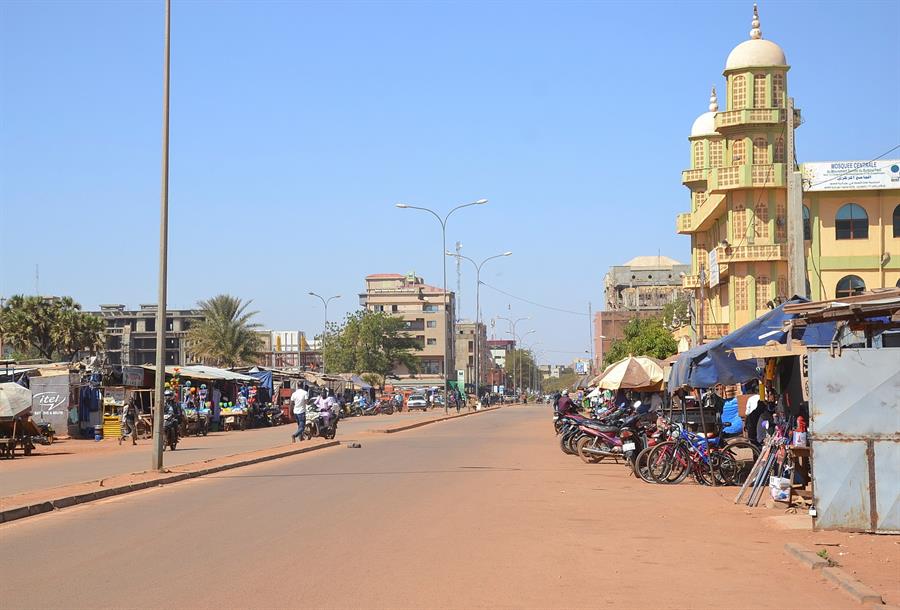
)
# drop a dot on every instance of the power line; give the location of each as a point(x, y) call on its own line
point(524, 300)
point(855, 169)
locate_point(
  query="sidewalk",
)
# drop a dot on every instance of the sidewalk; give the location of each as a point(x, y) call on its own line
point(67, 462)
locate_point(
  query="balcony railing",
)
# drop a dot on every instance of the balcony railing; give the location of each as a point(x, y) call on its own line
point(753, 252)
point(683, 223)
point(714, 331)
point(693, 176)
point(690, 282)
point(747, 176)
point(749, 116)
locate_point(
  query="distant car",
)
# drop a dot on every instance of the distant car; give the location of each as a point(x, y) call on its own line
point(416, 401)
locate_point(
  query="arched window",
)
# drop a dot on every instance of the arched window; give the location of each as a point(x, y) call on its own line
point(760, 151)
point(759, 91)
point(779, 150)
point(848, 286)
point(897, 221)
point(698, 155)
point(739, 92)
point(807, 227)
point(715, 153)
point(778, 90)
point(851, 222)
point(737, 151)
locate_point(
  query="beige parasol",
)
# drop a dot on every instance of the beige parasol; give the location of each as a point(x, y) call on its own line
point(14, 400)
point(631, 373)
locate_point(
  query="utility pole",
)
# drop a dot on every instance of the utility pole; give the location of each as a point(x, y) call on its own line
point(159, 400)
point(591, 330)
point(795, 247)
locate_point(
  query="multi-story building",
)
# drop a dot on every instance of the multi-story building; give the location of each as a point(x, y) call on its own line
point(287, 349)
point(639, 288)
point(553, 371)
point(498, 349)
point(738, 223)
point(851, 226)
point(130, 334)
point(428, 314)
point(466, 345)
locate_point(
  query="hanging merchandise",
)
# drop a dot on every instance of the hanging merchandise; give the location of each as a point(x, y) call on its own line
point(799, 435)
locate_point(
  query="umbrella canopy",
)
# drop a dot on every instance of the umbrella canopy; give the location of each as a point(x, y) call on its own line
point(631, 373)
point(14, 400)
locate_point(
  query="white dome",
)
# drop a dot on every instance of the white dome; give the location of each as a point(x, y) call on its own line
point(705, 125)
point(755, 53)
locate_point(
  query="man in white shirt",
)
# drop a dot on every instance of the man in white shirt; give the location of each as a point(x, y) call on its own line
point(298, 400)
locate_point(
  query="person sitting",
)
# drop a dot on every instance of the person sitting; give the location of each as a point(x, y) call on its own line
point(566, 406)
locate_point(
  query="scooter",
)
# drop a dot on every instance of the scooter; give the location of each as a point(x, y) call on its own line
point(170, 429)
point(316, 426)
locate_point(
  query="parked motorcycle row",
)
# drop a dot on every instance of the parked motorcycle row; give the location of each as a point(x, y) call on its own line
point(656, 448)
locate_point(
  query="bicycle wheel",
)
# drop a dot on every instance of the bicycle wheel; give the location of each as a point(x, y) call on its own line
point(641, 467)
point(666, 463)
point(720, 463)
point(744, 453)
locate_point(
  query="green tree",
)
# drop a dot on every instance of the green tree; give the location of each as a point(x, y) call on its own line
point(521, 368)
point(49, 327)
point(643, 337)
point(676, 314)
point(227, 336)
point(369, 342)
point(566, 381)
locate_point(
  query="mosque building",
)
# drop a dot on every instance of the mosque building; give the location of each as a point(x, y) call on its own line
point(741, 160)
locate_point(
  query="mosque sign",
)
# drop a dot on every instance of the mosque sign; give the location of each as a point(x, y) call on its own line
point(851, 175)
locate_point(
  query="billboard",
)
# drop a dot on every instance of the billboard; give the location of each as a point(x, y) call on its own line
point(50, 400)
point(851, 175)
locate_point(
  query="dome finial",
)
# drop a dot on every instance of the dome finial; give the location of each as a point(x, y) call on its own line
point(713, 101)
point(755, 33)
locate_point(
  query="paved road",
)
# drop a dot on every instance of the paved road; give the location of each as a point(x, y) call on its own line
point(59, 464)
point(484, 511)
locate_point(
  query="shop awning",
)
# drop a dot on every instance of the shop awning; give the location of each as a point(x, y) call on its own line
point(206, 373)
point(706, 365)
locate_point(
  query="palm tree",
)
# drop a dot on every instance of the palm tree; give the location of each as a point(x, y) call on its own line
point(226, 337)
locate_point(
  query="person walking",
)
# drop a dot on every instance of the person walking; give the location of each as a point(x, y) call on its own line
point(129, 421)
point(298, 400)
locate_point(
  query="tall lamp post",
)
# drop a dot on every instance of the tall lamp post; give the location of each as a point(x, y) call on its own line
point(478, 267)
point(512, 324)
point(443, 221)
point(325, 303)
point(159, 402)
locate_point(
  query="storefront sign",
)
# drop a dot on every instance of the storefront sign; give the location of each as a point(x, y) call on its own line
point(713, 269)
point(50, 400)
point(851, 175)
point(133, 376)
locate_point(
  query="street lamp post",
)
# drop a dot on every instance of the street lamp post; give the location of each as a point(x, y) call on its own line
point(325, 303)
point(159, 402)
point(513, 332)
point(443, 222)
point(477, 308)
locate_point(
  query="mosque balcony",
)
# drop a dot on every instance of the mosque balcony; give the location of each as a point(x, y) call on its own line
point(690, 282)
point(748, 117)
point(706, 214)
point(751, 252)
point(694, 177)
point(746, 176)
point(712, 331)
point(683, 223)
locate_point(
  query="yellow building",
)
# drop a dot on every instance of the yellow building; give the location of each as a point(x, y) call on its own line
point(738, 179)
point(851, 212)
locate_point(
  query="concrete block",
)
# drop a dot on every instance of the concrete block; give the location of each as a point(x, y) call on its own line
point(37, 509)
point(11, 514)
point(852, 587)
point(806, 557)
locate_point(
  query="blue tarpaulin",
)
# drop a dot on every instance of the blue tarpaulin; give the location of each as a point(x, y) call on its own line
point(265, 379)
point(706, 365)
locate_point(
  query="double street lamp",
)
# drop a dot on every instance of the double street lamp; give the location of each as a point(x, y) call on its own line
point(512, 324)
point(478, 267)
point(443, 221)
point(325, 303)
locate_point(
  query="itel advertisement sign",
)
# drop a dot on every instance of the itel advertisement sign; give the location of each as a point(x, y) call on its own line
point(50, 400)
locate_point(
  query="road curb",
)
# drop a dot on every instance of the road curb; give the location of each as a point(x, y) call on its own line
point(806, 557)
point(431, 421)
point(852, 587)
point(173, 476)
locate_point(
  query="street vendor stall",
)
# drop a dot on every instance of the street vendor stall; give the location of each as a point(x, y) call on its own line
point(17, 430)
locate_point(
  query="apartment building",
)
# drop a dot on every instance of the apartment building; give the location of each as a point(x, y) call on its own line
point(130, 334)
point(428, 315)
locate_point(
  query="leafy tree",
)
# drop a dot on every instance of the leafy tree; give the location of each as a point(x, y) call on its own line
point(369, 342)
point(565, 381)
point(676, 314)
point(643, 337)
point(521, 368)
point(49, 327)
point(227, 337)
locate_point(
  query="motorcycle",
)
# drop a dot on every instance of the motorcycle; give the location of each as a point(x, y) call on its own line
point(385, 406)
point(316, 426)
point(170, 429)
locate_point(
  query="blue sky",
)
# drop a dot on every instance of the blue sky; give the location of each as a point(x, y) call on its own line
point(296, 127)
